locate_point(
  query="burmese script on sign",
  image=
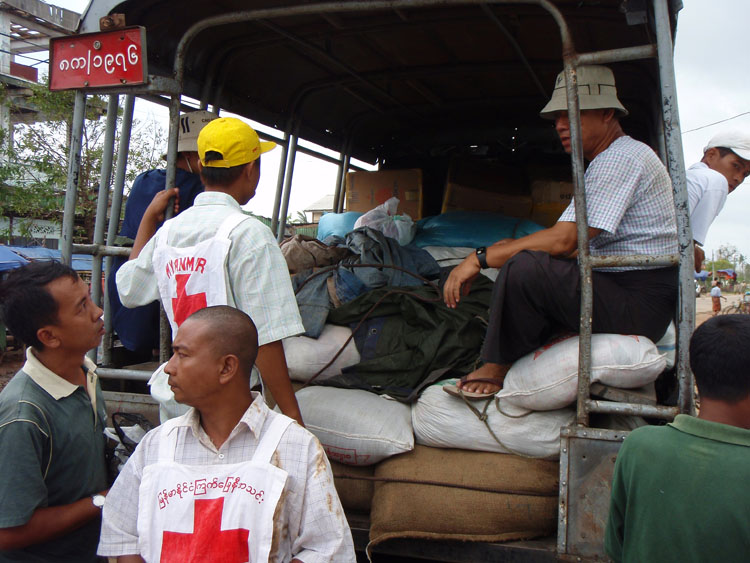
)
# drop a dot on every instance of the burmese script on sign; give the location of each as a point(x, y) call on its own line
point(109, 62)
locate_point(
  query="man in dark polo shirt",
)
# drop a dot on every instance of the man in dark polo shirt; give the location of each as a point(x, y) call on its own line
point(52, 469)
point(680, 491)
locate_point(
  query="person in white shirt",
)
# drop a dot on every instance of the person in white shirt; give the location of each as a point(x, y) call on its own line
point(716, 298)
point(230, 480)
point(214, 254)
point(724, 166)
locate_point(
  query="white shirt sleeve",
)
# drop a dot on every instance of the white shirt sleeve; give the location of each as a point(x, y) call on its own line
point(119, 534)
point(707, 192)
point(323, 534)
point(136, 281)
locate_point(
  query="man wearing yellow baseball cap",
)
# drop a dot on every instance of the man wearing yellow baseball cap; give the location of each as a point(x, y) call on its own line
point(214, 254)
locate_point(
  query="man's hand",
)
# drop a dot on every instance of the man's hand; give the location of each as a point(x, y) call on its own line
point(699, 257)
point(157, 209)
point(460, 280)
point(152, 218)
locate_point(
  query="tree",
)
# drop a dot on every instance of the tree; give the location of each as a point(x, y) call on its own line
point(34, 167)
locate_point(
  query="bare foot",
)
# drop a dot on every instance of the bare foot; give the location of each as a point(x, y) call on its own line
point(487, 371)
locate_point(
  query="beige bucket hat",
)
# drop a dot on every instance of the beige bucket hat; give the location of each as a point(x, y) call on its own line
point(596, 90)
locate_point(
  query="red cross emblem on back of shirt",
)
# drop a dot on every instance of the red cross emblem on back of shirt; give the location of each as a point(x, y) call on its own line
point(185, 305)
point(208, 542)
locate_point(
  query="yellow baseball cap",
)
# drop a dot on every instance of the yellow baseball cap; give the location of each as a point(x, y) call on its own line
point(234, 139)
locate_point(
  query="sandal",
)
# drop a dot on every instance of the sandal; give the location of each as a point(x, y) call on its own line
point(456, 391)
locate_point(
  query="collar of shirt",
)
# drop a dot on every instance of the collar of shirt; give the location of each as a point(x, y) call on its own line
point(712, 430)
point(253, 419)
point(216, 198)
point(55, 385)
point(698, 165)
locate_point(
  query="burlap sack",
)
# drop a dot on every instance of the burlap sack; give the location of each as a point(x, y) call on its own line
point(354, 485)
point(447, 494)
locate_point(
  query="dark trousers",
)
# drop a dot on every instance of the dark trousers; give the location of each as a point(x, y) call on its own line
point(537, 295)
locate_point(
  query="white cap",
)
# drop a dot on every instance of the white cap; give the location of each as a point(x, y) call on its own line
point(190, 125)
point(736, 141)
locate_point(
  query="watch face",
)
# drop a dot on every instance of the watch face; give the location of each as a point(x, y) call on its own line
point(98, 500)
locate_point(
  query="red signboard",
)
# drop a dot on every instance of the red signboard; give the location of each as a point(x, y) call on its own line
point(96, 60)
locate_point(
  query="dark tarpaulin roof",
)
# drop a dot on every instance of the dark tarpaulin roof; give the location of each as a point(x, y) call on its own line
point(407, 83)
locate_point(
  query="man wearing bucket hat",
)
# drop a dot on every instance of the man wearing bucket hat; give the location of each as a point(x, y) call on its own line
point(138, 328)
point(630, 208)
point(724, 166)
point(214, 254)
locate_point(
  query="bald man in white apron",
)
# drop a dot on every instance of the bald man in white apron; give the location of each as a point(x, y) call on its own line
point(229, 481)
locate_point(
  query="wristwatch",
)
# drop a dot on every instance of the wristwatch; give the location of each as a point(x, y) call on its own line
point(482, 257)
point(98, 501)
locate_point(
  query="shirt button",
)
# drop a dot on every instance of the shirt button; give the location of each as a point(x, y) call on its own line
point(221, 456)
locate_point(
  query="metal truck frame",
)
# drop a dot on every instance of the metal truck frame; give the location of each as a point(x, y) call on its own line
point(586, 453)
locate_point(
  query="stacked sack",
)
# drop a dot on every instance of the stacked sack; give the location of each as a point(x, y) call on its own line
point(538, 396)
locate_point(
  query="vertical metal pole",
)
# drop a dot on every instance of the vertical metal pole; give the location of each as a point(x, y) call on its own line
point(103, 202)
point(280, 181)
point(339, 177)
point(676, 165)
point(342, 186)
point(74, 170)
point(587, 293)
point(105, 177)
point(287, 187)
point(114, 218)
point(165, 331)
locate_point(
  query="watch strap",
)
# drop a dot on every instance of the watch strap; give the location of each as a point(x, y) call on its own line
point(481, 253)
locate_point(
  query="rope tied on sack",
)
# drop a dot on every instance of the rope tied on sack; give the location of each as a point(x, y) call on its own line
point(483, 416)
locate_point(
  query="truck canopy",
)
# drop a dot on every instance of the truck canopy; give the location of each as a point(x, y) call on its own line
point(396, 85)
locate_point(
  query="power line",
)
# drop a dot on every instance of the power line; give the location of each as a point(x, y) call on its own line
point(717, 122)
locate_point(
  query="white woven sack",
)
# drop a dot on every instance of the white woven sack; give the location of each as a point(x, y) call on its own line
point(306, 356)
point(547, 378)
point(667, 345)
point(443, 421)
point(356, 427)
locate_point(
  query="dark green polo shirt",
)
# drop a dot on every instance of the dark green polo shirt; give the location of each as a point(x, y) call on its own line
point(681, 493)
point(51, 453)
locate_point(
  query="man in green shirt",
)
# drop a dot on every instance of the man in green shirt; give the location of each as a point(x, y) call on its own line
point(680, 492)
point(52, 469)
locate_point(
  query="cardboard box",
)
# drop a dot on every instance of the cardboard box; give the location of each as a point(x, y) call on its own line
point(366, 190)
point(559, 192)
point(481, 185)
point(547, 214)
point(464, 198)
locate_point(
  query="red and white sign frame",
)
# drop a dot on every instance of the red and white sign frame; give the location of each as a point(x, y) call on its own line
point(99, 60)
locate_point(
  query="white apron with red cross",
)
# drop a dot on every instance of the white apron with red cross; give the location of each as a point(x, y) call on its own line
point(207, 513)
point(193, 277)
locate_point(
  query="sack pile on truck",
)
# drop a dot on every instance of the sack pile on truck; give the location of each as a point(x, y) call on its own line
point(401, 347)
point(356, 427)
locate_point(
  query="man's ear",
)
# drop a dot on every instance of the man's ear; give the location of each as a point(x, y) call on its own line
point(710, 156)
point(250, 169)
point(608, 114)
point(230, 365)
point(47, 335)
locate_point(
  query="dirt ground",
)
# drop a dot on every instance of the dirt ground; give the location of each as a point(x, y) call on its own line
point(11, 362)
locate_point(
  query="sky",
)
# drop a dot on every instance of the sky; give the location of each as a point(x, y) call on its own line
point(713, 84)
